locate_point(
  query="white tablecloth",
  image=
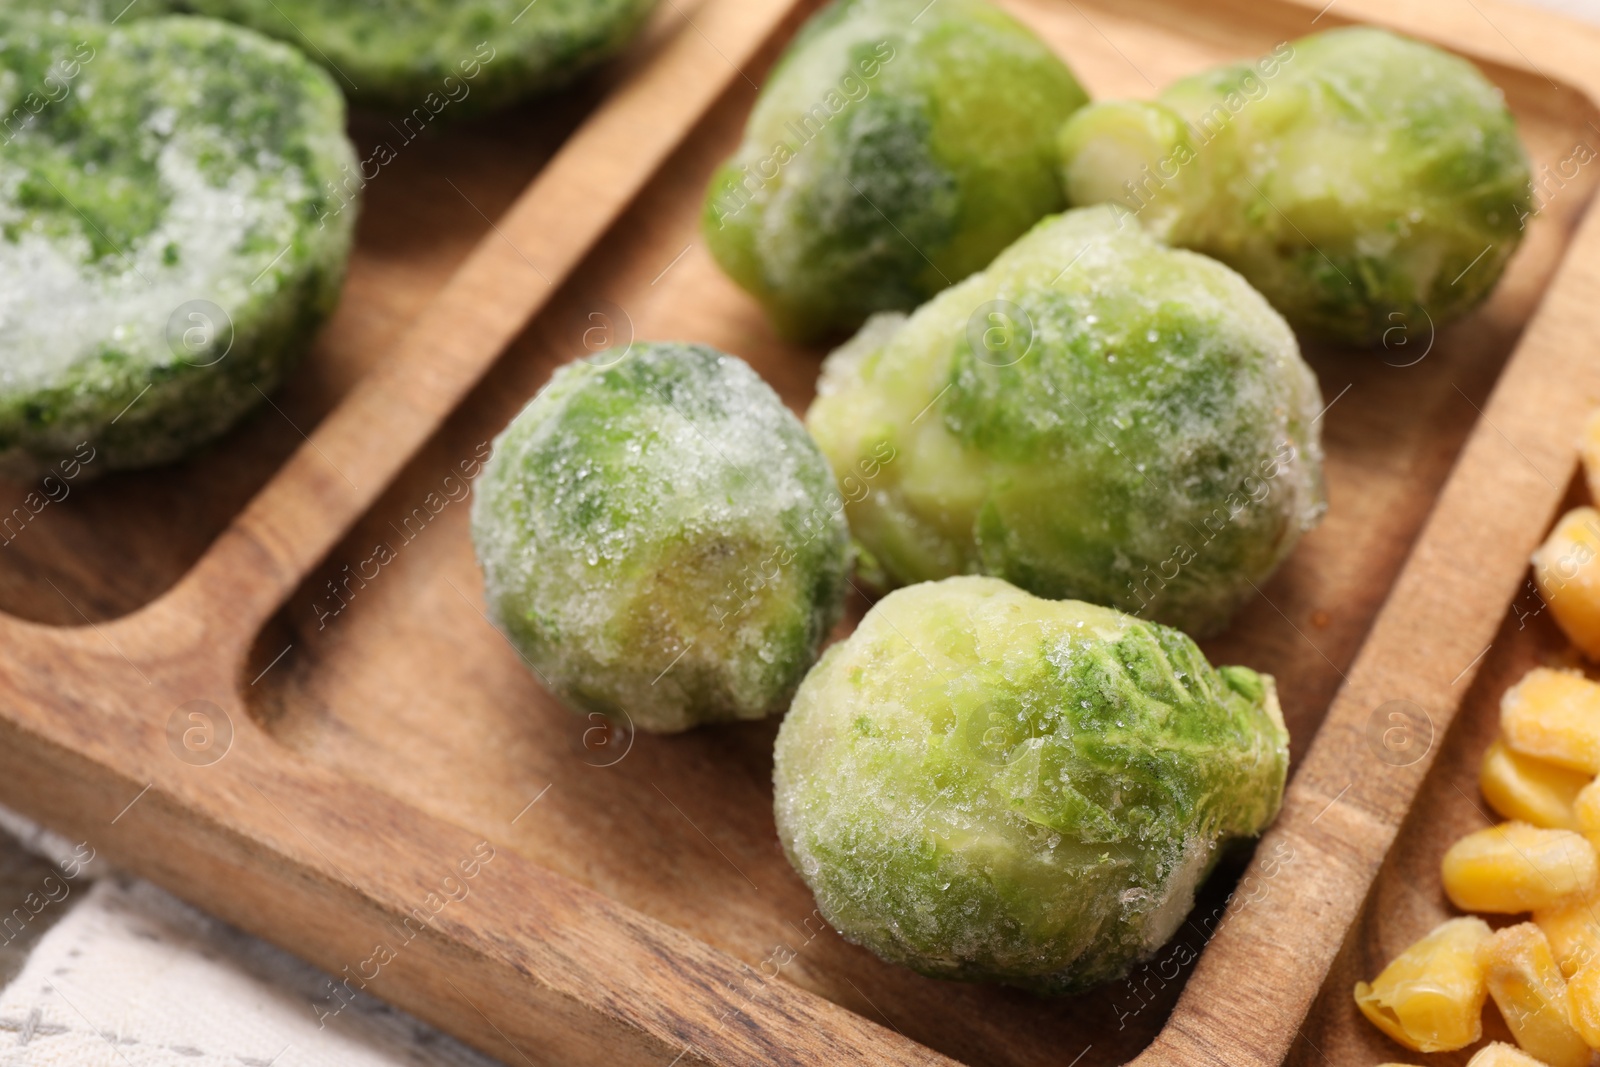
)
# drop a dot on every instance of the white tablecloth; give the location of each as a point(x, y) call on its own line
point(130, 976)
point(134, 977)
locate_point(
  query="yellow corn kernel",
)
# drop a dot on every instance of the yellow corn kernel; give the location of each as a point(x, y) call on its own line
point(1586, 811)
point(1589, 451)
point(1530, 790)
point(1566, 569)
point(1554, 715)
point(1503, 1055)
point(1583, 1002)
point(1430, 998)
point(1527, 987)
point(1516, 867)
point(1573, 928)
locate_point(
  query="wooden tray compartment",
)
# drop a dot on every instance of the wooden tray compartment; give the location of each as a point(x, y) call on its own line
point(382, 728)
point(1408, 899)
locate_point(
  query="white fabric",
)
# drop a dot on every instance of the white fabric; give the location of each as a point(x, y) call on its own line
point(52, 846)
point(133, 977)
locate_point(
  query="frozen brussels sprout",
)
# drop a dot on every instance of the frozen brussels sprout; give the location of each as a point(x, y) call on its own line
point(168, 240)
point(1371, 186)
point(896, 148)
point(1095, 416)
point(660, 539)
point(981, 784)
point(419, 56)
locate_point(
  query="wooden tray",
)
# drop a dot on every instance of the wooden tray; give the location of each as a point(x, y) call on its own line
point(193, 682)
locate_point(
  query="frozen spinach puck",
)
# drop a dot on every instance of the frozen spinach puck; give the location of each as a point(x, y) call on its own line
point(168, 237)
point(396, 54)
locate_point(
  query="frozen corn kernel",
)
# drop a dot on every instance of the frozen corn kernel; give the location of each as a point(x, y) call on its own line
point(1583, 1001)
point(1430, 998)
point(1528, 789)
point(1527, 987)
point(1554, 715)
point(1586, 811)
point(1566, 569)
point(1589, 451)
point(1516, 867)
point(1500, 1054)
point(1573, 927)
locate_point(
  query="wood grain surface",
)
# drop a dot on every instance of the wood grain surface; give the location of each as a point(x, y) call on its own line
point(1408, 900)
point(636, 907)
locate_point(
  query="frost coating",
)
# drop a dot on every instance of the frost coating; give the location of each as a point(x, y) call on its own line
point(1371, 186)
point(1146, 442)
point(983, 785)
point(661, 539)
point(895, 149)
point(405, 54)
point(165, 165)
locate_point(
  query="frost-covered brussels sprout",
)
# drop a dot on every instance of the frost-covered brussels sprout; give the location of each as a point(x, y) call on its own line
point(1366, 183)
point(660, 538)
point(984, 785)
point(1095, 416)
point(896, 148)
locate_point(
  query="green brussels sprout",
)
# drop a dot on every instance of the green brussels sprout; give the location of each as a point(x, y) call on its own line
point(1371, 186)
point(661, 540)
point(168, 241)
point(1094, 417)
point(418, 54)
point(896, 148)
point(984, 785)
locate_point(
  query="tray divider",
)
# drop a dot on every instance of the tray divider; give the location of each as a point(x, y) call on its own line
point(357, 451)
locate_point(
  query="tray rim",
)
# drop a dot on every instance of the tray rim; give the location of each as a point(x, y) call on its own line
point(57, 767)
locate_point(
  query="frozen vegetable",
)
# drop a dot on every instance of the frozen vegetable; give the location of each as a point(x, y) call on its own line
point(896, 148)
point(1430, 997)
point(1566, 571)
point(168, 240)
point(1371, 186)
point(660, 539)
point(1515, 867)
point(1526, 789)
point(1094, 416)
point(1554, 715)
point(1530, 992)
point(984, 785)
point(419, 56)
